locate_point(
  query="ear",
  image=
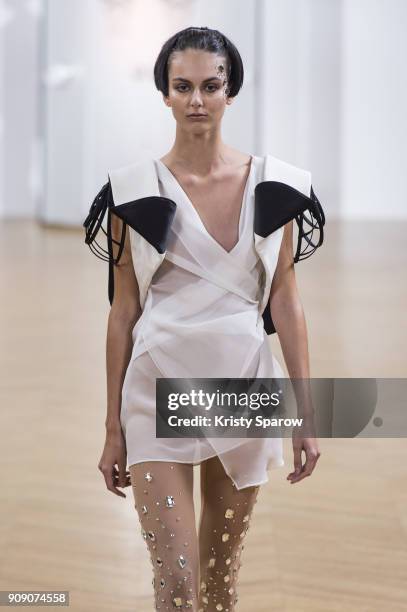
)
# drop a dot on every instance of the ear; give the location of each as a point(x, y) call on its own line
point(229, 100)
point(166, 100)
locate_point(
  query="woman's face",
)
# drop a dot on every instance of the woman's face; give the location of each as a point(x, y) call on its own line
point(197, 89)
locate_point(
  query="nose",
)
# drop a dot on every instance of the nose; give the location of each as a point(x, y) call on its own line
point(196, 99)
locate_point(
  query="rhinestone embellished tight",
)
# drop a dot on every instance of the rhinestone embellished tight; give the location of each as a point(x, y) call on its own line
point(195, 572)
point(224, 521)
point(163, 493)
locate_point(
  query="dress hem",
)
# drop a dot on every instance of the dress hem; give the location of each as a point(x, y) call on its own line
point(272, 465)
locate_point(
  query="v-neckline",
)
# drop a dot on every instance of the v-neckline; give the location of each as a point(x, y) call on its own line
point(198, 216)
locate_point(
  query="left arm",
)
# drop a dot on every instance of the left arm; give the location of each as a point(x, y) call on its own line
point(289, 321)
point(287, 312)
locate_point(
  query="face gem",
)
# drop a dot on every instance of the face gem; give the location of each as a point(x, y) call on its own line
point(189, 603)
point(162, 583)
point(225, 537)
point(226, 578)
point(203, 587)
point(229, 513)
point(205, 599)
point(246, 518)
point(148, 476)
point(230, 591)
point(182, 561)
point(219, 607)
point(242, 534)
point(177, 601)
point(151, 535)
point(144, 534)
point(169, 501)
point(144, 509)
point(159, 562)
point(211, 562)
point(228, 561)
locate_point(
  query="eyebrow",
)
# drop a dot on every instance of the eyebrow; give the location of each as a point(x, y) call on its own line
point(214, 78)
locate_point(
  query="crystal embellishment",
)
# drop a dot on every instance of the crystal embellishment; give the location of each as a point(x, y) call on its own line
point(144, 509)
point(151, 535)
point(169, 501)
point(148, 476)
point(182, 561)
point(225, 537)
point(177, 601)
point(246, 518)
point(229, 513)
point(211, 562)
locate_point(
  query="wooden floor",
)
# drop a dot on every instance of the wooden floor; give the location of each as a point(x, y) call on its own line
point(333, 542)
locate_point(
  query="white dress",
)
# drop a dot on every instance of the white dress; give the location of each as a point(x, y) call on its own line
point(201, 319)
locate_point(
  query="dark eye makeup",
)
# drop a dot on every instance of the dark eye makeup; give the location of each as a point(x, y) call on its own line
point(210, 87)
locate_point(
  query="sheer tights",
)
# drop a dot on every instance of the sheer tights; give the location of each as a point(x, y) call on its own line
point(196, 572)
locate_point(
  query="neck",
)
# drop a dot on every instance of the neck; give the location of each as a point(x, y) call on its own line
point(198, 154)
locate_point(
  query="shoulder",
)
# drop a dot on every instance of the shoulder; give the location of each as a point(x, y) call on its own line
point(133, 181)
point(276, 169)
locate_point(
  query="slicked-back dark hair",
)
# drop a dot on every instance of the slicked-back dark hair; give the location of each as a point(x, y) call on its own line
point(204, 39)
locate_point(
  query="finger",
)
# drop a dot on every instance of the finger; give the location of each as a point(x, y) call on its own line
point(308, 466)
point(109, 480)
point(122, 474)
point(297, 463)
point(125, 473)
point(126, 484)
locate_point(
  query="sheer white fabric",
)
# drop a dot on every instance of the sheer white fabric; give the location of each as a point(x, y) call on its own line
point(201, 319)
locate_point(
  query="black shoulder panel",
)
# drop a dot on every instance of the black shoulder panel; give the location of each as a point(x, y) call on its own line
point(276, 204)
point(151, 217)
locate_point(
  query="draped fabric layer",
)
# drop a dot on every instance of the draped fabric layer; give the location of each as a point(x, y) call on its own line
point(201, 319)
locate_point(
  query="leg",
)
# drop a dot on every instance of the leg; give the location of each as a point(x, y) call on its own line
point(224, 521)
point(163, 494)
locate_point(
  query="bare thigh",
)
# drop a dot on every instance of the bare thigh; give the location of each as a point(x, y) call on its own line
point(224, 521)
point(163, 495)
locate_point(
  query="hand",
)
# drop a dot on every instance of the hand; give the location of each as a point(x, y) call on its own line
point(310, 446)
point(115, 453)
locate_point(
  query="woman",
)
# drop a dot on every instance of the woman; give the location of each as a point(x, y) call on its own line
point(185, 286)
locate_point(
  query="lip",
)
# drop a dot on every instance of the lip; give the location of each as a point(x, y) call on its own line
point(196, 116)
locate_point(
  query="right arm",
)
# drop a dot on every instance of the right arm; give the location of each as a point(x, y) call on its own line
point(124, 313)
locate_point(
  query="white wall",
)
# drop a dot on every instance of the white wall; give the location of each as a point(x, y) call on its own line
point(374, 106)
point(300, 88)
point(324, 89)
point(334, 98)
point(19, 41)
point(109, 113)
